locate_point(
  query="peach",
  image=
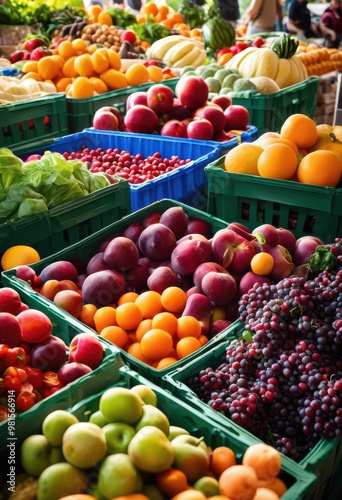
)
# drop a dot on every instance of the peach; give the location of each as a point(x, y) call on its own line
point(10, 329)
point(69, 300)
point(36, 326)
point(10, 300)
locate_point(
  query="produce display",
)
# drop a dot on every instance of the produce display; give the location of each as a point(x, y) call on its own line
point(142, 451)
point(27, 337)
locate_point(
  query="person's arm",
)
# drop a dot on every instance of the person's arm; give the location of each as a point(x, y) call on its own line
point(252, 11)
point(326, 31)
point(280, 14)
point(293, 28)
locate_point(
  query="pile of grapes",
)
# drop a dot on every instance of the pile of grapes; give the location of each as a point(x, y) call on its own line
point(282, 379)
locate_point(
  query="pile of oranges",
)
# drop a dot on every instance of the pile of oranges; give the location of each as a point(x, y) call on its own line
point(81, 70)
point(302, 151)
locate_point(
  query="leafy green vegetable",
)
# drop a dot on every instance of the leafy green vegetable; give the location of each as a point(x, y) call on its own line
point(40, 185)
point(322, 260)
point(122, 18)
point(151, 31)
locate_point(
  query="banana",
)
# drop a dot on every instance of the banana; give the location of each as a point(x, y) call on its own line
point(178, 51)
point(283, 72)
point(159, 48)
point(200, 59)
point(235, 61)
point(188, 59)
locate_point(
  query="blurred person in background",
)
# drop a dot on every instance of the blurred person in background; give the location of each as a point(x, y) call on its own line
point(332, 19)
point(229, 10)
point(263, 16)
point(299, 22)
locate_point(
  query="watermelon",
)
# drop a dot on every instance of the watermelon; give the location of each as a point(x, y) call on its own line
point(218, 33)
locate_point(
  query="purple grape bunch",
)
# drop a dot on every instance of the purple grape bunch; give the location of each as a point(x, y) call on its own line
point(282, 379)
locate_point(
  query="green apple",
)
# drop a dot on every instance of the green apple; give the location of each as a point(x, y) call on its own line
point(175, 430)
point(118, 436)
point(146, 393)
point(119, 404)
point(191, 456)
point(55, 424)
point(37, 454)
point(150, 450)
point(84, 444)
point(60, 480)
point(151, 415)
point(98, 418)
point(119, 476)
point(208, 485)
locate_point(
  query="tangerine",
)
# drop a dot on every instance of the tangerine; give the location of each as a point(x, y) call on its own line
point(321, 168)
point(300, 129)
point(243, 159)
point(277, 161)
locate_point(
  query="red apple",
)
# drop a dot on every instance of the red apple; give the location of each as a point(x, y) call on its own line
point(200, 128)
point(222, 100)
point(237, 117)
point(105, 120)
point(138, 97)
point(286, 238)
point(268, 232)
point(192, 91)
point(160, 97)
point(115, 111)
point(214, 114)
point(141, 119)
point(305, 247)
point(232, 251)
point(86, 348)
point(174, 128)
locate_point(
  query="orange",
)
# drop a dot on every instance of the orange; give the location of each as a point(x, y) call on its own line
point(66, 49)
point(275, 484)
point(145, 326)
point(87, 315)
point(114, 59)
point(68, 68)
point(186, 346)
point(127, 297)
point(165, 362)
point(99, 85)
point(174, 299)
point(155, 73)
point(277, 161)
point(99, 61)
point(265, 494)
point(47, 67)
point(262, 263)
point(104, 316)
point(19, 255)
point(322, 168)
point(105, 18)
point(149, 303)
point(203, 340)
point(238, 481)
point(29, 66)
point(188, 326)
point(150, 8)
point(81, 88)
point(129, 316)
point(300, 129)
point(243, 159)
point(221, 458)
point(137, 74)
point(156, 343)
point(335, 146)
point(264, 458)
point(167, 321)
point(116, 335)
point(135, 350)
point(278, 140)
point(172, 481)
point(83, 65)
point(114, 79)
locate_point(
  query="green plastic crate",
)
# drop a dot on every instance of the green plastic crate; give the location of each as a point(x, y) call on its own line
point(80, 112)
point(70, 223)
point(26, 122)
point(180, 414)
point(66, 328)
point(269, 111)
point(251, 200)
point(89, 246)
point(324, 460)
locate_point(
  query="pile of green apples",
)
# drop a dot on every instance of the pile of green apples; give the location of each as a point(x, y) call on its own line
point(126, 441)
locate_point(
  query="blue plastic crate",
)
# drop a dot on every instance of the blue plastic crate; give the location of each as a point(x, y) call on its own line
point(186, 184)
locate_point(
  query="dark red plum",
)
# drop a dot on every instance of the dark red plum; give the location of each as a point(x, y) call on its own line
point(121, 254)
point(133, 231)
point(204, 269)
point(200, 307)
point(199, 226)
point(72, 371)
point(49, 355)
point(97, 263)
point(248, 280)
point(189, 254)
point(103, 288)
point(161, 278)
point(60, 270)
point(136, 278)
point(217, 327)
point(176, 219)
point(220, 288)
point(152, 218)
point(157, 241)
